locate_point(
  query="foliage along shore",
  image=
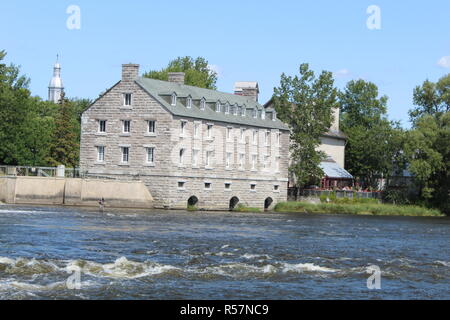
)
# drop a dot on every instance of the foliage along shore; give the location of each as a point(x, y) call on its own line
point(357, 209)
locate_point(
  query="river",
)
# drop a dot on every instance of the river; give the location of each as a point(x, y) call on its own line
point(156, 254)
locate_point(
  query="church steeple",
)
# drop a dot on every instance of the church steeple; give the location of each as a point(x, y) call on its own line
point(56, 86)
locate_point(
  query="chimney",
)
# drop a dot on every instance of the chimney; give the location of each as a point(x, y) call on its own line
point(247, 89)
point(177, 77)
point(130, 72)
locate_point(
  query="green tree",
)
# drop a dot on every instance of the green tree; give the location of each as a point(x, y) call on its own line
point(305, 102)
point(431, 98)
point(65, 143)
point(15, 104)
point(197, 72)
point(428, 143)
point(374, 143)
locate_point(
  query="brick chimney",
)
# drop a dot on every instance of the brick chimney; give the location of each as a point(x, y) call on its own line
point(247, 89)
point(130, 72)
point(177, 77)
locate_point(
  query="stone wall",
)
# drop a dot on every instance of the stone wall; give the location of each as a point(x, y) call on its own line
point(76, 192)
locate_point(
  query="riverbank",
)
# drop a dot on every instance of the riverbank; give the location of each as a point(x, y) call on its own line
point(357, 209)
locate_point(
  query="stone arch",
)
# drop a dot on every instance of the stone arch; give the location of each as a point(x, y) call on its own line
point(233, 203)
point(268, 203)
point(192, 201)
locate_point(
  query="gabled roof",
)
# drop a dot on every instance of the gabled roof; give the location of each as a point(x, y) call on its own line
point(159, 89)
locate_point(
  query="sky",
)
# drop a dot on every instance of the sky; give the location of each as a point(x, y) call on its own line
point(407, 43)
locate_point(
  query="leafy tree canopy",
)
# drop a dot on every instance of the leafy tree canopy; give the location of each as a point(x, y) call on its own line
point(197, 72)
point(305, 102)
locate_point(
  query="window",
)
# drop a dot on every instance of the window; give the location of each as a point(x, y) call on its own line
point(125, 154)
point(181, 184)
point(189, 103)
point(263, 114)
point(267, 136)
point(126, 126)
point(182, 152)
point(102, 126)
point(255, 137)
point(244, 111)
point(218, 107)
point(239, 110)
point(254, 161)
point(276, 188)
point(183, 128)
point(208, 185)
point(255, 113)
point(241, 161)
point(203, 104)
point(274, 115)
point(150, 155)
point(209, 130)
point(242, 135)
point(151, 126)
point(229, 130)
point(227, 108)
point(235, 110)
point(174, 100)
point(228, 160)
point(101, 154)
point(127, 99)
point(227, 186)
point(194, 157)
point(209, 155)
point(266, 162)
point(253, 187)
point(196, 130)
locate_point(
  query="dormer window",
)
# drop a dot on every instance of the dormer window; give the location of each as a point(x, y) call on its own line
point(244, 111)
point(239, 110)
point(203, 104)
point(189, 102)
point(263, 114)
point(255, 113)
point(274, 115)
point(174, 99)
point(227, 108)
point(235, 110)
point(218, 106)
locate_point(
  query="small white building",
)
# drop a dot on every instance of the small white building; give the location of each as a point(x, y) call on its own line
point(56, 87)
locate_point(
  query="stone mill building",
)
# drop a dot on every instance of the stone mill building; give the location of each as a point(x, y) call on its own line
point(189, 145)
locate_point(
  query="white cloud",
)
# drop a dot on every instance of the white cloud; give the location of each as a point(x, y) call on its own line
point(444, 62)
point(342, 73)
point(216, 69)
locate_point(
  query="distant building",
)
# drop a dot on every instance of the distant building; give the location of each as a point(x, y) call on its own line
point(56, 87)
point(190, 146)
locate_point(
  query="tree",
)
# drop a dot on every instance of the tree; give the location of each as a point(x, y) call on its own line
point(305, 103)
point(65, 144)
point(374, 143)
point(431, 98)
point(15, 104)
point(428, 143)
point(197, 72)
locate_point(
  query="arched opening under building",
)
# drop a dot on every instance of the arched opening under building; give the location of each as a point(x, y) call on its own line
point(192, 202)
point(267, 203)
point(233, 203)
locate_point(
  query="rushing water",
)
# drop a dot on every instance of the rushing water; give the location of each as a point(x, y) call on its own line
point(131, 254)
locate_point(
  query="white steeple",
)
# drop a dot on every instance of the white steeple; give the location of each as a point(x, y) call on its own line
point(56, 87)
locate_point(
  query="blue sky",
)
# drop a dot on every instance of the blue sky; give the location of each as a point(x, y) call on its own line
point(243, 40)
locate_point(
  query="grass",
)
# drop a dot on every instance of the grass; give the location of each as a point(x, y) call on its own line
point(242, 208)
point(375, 209)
